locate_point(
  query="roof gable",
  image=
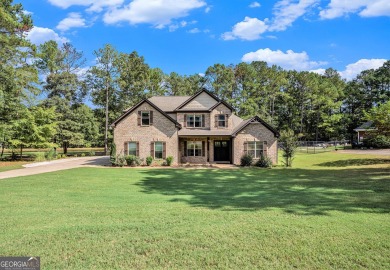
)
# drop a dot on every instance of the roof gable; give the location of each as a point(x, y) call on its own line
point(254, 119)
point(139, 104)
point(202, 100)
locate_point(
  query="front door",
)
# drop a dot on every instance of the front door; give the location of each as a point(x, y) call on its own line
point(221, 150)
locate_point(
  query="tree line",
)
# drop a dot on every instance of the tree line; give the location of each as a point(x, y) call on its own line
point(43, 91)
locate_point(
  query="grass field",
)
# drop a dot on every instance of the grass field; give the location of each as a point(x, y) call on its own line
point(330, 211)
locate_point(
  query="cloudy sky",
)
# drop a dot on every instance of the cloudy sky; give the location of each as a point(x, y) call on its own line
point(187, 36)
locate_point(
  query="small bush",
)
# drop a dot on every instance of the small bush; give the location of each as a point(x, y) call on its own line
point(169, 160)
point(264, 162)
point(246, 160)
point(120, 161)
point(40, 156)
point(132, 160)
point(91, 153)
point(378, 141)
point(82, 155)
point(59, 156)
point(149, 160)
point(51, 154)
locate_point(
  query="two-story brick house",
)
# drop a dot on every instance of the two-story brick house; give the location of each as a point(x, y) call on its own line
point(193, 129)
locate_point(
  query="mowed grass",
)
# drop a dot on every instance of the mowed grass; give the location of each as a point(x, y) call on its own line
point(314, 216)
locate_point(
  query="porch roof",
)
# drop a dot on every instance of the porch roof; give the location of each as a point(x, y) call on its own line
point(204, 132)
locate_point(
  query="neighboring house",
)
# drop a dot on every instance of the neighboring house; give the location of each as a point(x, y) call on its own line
point(193, 129)
point(363, 130)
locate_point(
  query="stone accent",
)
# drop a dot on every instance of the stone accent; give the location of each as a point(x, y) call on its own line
point(163, 130)
point(255, 132)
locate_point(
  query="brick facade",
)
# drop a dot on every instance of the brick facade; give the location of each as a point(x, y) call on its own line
point(163, 129)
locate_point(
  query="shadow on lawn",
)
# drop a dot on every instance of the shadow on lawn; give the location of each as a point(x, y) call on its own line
point(355, 162)
point(298, 191)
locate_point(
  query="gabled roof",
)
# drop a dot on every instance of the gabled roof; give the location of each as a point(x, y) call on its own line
point(369, 125)
point(254, 119)
point(168, 103)
point(200, 92)
point(151, 104)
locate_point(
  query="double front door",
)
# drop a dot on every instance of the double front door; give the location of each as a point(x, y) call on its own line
point(221, 150)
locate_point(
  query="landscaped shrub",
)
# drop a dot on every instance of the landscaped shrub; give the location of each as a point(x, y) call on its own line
point(169, 160)
point(149, 160)
point(289, 144)
point(246, 160)
point(40, 156)
point(51, 154)
point(132, 160)
point(120, 161)
point(378, 141)
point(113, 154)
point(264, 162)
point(82, 155)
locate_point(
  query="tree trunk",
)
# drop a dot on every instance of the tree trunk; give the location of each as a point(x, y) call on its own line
point(2, 149)
point(106, 128)
point(21, 152)
point(65, 147)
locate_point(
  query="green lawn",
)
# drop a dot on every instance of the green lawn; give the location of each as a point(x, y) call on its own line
point(328, 212)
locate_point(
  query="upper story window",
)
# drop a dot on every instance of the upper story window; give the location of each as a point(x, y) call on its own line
point(194, 120)
point(221, 120)
point(145, 118)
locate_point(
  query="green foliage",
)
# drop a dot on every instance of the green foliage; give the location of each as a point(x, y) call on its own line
point(264, 162)
point(377, 141)
point(149, 160)
point(92, 153)
point(120, 161)
point(288, 143)
point(39, 157)
point(246, 160)
point(381, 117)
point(132, 160)
point(82, 155)
point(51, 154)
point(169, 160)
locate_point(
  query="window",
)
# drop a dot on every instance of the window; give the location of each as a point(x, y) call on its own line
point(132, 147)
point(221, 120)
point(195, 120)
point(194, 148)
point(145, 118)
point(255, 149)
point(158, 150)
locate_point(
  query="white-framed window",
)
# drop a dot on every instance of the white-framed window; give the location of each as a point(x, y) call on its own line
point(194, 120)
point(145, 118)
point(221, 120)
point(158, 150)
point(256, 149)
point(132, 148)
point(194, 148)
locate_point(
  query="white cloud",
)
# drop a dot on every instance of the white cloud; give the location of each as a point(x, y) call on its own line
point(287, 11)
point(93, 5)
point(320, 71)
point(365, 8)
point(39, 35)
point(207, 9)
point(287, 60)
point(74, 19)
point(354, 69)
point(254, 5)
point(156, 12)
point(248, 29)
point(194, 31)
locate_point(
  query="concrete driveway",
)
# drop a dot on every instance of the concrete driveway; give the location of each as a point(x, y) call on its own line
point(56, 165)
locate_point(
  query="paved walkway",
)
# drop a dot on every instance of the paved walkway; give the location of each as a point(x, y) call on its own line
point(56, 165)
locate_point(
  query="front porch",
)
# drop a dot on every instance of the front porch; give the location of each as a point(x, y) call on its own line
point(205, 149)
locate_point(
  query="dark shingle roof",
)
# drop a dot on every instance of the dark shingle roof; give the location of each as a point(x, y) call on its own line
point(366, 125)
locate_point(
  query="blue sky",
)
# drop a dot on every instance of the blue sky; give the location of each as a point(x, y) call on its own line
point(187, 36)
